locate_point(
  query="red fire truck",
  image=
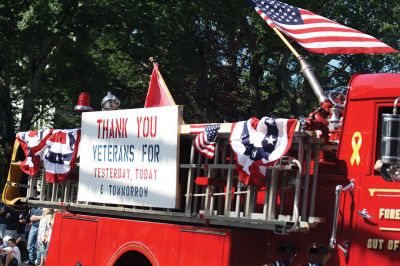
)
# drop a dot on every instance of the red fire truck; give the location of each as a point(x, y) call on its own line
point(142, 195)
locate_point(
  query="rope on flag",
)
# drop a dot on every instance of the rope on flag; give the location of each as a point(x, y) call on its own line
point(315, 33)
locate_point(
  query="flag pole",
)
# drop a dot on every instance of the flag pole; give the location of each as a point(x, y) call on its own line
point(291, 48)
point(307, 71)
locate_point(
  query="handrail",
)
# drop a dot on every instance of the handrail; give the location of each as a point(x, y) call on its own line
point(338, 192)
point(395, 105)
point(296, 205)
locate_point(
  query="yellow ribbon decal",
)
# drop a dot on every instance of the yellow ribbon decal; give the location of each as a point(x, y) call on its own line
point(356, 145)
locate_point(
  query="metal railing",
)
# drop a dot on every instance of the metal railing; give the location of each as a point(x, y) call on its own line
point(213, 193)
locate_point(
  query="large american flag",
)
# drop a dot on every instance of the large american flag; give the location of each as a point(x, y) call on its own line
point(205, 139)
point(316, 33)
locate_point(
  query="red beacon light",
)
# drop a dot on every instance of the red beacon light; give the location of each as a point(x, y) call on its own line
point(83, 103)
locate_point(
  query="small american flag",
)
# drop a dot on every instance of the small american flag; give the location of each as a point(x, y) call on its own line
point(205, 139)
point(316, 33)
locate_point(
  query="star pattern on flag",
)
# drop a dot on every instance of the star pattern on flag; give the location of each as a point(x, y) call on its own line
point(270, 121)
point(270, 139)
point(282, 12)
point(212, 132)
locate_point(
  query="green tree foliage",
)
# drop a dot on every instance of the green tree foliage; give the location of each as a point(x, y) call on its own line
point(219, 58)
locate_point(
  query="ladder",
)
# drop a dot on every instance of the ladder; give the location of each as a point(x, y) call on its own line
point(210, 190)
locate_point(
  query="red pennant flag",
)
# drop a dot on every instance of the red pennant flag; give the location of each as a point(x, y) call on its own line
point(158, 93)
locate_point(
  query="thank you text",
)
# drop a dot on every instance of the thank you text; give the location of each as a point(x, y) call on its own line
point(129, 157)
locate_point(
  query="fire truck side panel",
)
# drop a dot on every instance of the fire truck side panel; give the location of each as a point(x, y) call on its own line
point(377, 237)
point(201, 247)
point(78, 233)
point(53, 252)
point(355, 155)
point(364, 91)
point(370, 214)
point(158, 241)
point(103, 240)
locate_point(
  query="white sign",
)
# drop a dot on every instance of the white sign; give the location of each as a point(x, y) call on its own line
point(129, 157)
